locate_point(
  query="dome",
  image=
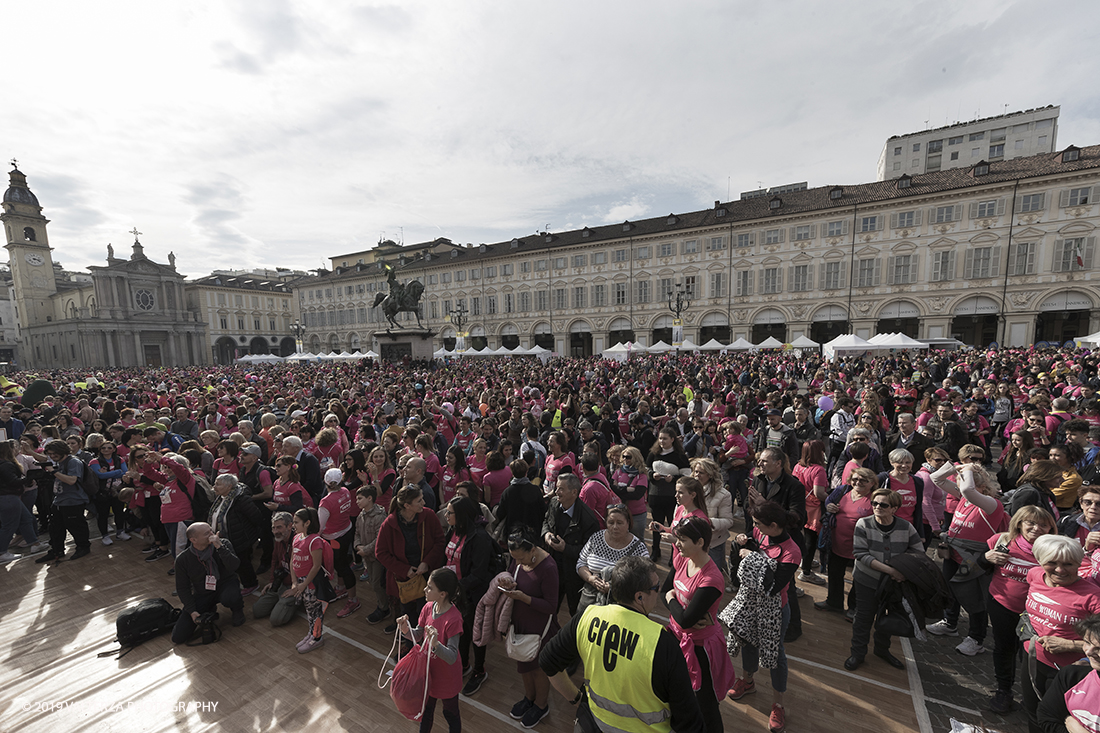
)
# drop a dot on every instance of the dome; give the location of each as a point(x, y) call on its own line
point(17, 192)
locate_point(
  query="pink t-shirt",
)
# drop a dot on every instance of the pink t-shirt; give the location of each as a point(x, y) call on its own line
point(1008, 586)
point(496, 482)
point(851, 511)
point(283, 491)
point(1083, 700)
point(477, 469)
point(444, 680)
point(1054, 611)
point(432, 469)
point(1090, 565)
point(623, 479)
point(450, 480)
point(908, 493)
point(338, 504)
point(785, 551)
point(598, 497)
point(810, 476)
point(554, 467)
point(971, 523)
point(301, 561)
point(679, 513)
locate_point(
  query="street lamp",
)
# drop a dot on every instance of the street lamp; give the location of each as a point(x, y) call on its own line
point(459, 319)
point(679, 300)
point(299, 329)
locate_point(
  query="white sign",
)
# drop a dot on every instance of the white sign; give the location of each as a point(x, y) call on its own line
point(1066, 302)
point(900, 309)
point(978, 305)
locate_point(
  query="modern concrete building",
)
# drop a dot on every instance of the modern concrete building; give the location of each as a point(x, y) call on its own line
point(1004, 137)
point(1000, 251)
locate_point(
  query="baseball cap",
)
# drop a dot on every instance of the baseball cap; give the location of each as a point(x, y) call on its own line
point(775, 412)
point(252, 450)
point(334, 476)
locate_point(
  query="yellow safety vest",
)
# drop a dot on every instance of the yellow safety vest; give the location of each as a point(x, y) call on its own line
point(617, 646)
point(556, 422)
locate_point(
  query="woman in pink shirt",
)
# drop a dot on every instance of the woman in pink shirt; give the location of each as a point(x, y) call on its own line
point(227, 462)
point(454, 473)
point(691, 501)
point(496, 479)
point(1057, 598)
point(173, 479)
point(335, 514)
point(810, 471)
point(476, 464)
point(1012, 553)
point(847, 504)
point(288, 494)
point(556, 461)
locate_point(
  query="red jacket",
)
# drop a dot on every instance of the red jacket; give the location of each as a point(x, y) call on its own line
point(390, 547)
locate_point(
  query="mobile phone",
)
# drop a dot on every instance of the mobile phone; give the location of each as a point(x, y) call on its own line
point(1001, 547)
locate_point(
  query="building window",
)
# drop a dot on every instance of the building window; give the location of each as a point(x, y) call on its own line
point(524, 302)
point(980, 263)
point(955, 155)
point(475, 273)
point(475, 306)
point(933, 163)
point(491, 271)
point(491, 305)
point(620, 293)
point(689, 285)
point(986, 209)
point(997, 136)
point(1019, 145)
point(1072, 255)
point(944, 214)
point(997, 151)
point(868, 224)
point(580, 260)
point(691, 246)
point(559, 299)
point(525, 266)
point(897, 165)
point(916, 147)
point(665, 250)
point(620, 255)
point(717, 284)
point(240, 324)
point(580, 297)
point(445, 277)
point(433, 309)
point(664, 287)
point(144, 299)
point(559, 263)
point(361, 313)
point(897, 150)
point(770, 283)
point(802, 232)
point(272, 324)
point(907, 219)
point(599, 295)
point(641, 253)
point(743, 279)
point(1021, 260)
point(975, 152)
point(902, 270)
point(773, 236)
point(509, 303)
point(1078, 196)
point(541, 265)
point(977, 136)
point(599, 258)
point(867, 273)
point(224, 323)
point(447, 307)
point(641, 291)
point(835, 228)
point(955, 140)
point(800, 278)
point(221, 298)
point(935, 146)
point(1042, 141)
point(744, 240)
point(506, 270)
point(943, 266)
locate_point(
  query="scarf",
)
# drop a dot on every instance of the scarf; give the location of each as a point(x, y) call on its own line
point(206, 557)
point(219, 513)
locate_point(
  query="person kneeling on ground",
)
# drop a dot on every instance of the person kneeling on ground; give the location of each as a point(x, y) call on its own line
point(272, 603)
point(206, 575)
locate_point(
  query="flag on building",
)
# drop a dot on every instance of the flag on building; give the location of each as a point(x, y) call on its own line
point(1078, 253)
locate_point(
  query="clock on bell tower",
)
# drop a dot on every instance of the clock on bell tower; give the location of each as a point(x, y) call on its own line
point(28, 250)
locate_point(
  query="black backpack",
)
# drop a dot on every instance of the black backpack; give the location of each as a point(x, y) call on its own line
point(137, 624)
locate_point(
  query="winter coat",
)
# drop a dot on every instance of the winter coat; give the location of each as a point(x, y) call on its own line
point(493, 614)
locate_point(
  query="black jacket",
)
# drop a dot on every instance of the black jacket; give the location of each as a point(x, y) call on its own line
point(309, 471)
point(11, 479)
point(243, 520)
point(474, 564)
point(577, 529)
point(521, 505)
point(917, 446)
point(789, 494)
point(191, 573)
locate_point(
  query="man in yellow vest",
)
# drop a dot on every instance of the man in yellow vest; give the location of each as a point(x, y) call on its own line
point(637, 679)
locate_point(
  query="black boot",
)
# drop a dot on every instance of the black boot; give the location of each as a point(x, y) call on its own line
point(655, 556)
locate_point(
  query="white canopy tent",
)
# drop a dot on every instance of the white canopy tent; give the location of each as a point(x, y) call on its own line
point(802, 342)
point(1092, 339)
point(771, 342)
point(303, 356)
point(898, 341)
point(713, 345)
point(847, 343)
point(741, 345)
point(689, 345)
point(659, 348)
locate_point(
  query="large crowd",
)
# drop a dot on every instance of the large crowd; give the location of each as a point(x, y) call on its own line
point(463, 502)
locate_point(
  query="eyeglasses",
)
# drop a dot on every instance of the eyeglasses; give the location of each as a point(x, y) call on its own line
point(655, 588)
point(861, 481)
point(881, 505)
point(859, 439)
point(1090, 502)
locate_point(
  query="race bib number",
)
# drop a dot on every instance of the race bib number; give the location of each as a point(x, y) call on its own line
point(211, 582)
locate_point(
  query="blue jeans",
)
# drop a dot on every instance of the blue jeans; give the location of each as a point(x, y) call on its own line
point(718, 554)
point(14, 515)
point(750, 657)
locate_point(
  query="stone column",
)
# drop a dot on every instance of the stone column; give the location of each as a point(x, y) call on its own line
point(111, 360)
point(139, 353)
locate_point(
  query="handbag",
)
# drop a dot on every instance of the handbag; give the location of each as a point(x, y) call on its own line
point(524, 647)
point(206, 630)
point(411, 589)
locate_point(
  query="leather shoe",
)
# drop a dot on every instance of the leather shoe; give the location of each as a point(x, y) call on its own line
point(824, 606)
point(891, 660)
point(852, 663)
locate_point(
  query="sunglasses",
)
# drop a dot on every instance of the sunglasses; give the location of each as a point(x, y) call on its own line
point(880, 505)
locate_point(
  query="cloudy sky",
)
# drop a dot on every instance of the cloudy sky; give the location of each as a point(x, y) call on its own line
point(270, 133)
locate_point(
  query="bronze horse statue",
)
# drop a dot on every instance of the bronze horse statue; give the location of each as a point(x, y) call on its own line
point(400, 298)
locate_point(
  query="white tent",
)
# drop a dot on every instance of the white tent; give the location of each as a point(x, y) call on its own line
point(878, 338)
point(847, 343)
point(503, 351)
point(367, 355)
point(713, 345)
point(303, 356)
point(900, 341)
point(441, 354)
point(804, 343)
point(771, 342)
point(267, 359)
point(659, 348)
point(1091, 340)
point(689, 345)
point(345, 355)
point(741, 345)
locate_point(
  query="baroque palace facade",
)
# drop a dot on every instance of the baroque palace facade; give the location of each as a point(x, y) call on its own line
point(1000, 251)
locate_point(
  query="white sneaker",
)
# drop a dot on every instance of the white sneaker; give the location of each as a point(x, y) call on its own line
point(7, 557)
point(38, 547)
point(107, 540)
point(942, 628)
point(970, 648)
point(123, 536)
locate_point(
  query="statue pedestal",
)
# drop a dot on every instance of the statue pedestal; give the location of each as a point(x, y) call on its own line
point(398, 343)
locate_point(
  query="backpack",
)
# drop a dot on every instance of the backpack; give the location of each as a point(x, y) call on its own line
point(202, 501)
point(90, 482)
point(137, 624)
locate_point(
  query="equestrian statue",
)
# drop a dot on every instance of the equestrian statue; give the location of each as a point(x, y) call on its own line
point(400, 298)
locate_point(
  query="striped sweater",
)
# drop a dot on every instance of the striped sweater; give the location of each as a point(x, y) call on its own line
point(870, 543)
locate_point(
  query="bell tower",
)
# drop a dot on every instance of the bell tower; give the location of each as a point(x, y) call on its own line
point(28, 251)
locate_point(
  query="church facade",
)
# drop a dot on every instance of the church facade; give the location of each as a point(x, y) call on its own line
point(129, 312)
